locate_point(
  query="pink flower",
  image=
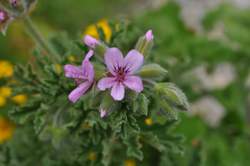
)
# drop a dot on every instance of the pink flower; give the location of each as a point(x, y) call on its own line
point(3, 16)
point(149, 36)
point(83, 75)
point(90, 41)
point(122, 72)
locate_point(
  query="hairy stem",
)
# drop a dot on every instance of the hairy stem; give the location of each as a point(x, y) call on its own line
point(40, 41)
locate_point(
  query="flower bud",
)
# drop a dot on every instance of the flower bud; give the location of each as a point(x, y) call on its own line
point(103, 113)
point(153, 71)
point(5, 19)
point(145, 43)
point(3, 16)
point(97, 46)
point(170, 94)
point(107, 105)
point(149, 36)
point(90, 41)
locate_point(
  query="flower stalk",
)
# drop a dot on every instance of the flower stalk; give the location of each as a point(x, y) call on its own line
point(38, 38)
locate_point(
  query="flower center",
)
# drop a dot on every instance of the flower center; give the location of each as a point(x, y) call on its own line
point(120, 74)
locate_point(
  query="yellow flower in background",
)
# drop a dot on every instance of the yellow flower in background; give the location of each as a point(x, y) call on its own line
point(72, 58)
point(86, 125)
point(130, 163)
point(2, 101)
point(6, 69)
point(5, 91)
point(20, 99)
point(148, 121)
point(92, 30)
point(58, 68)
point(6, 130)
point(92, 156)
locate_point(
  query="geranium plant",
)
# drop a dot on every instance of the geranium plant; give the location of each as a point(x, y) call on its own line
point(101, 109)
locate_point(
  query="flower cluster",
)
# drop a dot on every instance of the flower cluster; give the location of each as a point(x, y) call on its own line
point(13, 9)
point(120, 74)
point(83, 75)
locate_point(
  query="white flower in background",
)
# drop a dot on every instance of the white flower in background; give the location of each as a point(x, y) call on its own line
point(242, 3)
point(209, 109)
point(218, 32)
point(192, 11)
point(222, 76)
point(248, 81)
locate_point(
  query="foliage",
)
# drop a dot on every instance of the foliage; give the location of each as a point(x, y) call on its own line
point(77, 130)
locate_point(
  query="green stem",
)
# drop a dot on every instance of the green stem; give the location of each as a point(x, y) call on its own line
point(42, 43)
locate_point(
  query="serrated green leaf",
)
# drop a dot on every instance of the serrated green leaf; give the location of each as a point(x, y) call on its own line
point(134, 147)
point(153, 141)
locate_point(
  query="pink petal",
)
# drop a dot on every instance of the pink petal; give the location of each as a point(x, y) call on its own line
point(90, 41)
point(133, 61)
point(89, 55)
point(134, 83)
point(103, 113)
point(79, 91)
point(73, 72)
point(149, 35)
point(113, 59)
point(90, 72)
point(87, 67)
point(118, 91)
point(106, 83)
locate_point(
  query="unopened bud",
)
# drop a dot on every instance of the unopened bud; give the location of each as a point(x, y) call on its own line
point(97, 46)
point(5, 19)
point(149, 36)
point(145, 43)
point(103, 113)
point(107, 105)
point(173, 95)
point(153, 71)
point(90, 41)
point(3, 16)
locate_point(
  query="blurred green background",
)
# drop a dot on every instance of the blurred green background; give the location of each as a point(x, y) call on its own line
point(60, 15)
